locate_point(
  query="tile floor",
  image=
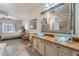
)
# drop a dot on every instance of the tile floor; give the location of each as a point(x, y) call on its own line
point(18, 47)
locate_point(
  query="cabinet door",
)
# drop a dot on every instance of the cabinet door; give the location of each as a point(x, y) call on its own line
point(75, 53)
point(64, 51)
point(50, 51)
point(41, 47)
point(35, 45)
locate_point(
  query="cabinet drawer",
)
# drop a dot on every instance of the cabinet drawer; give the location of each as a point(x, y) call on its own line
point(64, 49)
point(60, 53)
point(60, 48)
point(51, 44)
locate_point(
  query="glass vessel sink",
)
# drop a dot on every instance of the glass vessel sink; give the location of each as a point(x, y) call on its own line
point(62, 37)
point(40, 33)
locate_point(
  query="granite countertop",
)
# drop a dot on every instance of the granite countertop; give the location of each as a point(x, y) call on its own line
point(73, 45)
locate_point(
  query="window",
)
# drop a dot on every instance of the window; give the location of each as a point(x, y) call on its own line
point(8, 27)
point(12, 27)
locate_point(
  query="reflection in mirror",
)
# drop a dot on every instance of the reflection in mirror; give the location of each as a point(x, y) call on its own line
point(62, 18)
point(59, 19)
point(44, 24)
point(57, 23)
point(33, 24)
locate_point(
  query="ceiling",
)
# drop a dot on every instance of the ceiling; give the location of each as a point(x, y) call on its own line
point(19, 10)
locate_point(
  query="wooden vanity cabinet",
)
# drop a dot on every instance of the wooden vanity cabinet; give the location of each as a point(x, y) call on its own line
point(38, 44)
point(60, 53)
point(75, 53)
point(56, 50)
point(25, 36)
point(35, 43)
point(64, 51)
point(50, 51)
point(48, 48)
point(41, 48)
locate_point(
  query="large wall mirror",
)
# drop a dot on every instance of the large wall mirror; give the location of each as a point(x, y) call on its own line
point(59, 19)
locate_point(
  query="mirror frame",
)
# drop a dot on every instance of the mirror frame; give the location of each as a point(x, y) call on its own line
point(72, 24)
point(31, 24)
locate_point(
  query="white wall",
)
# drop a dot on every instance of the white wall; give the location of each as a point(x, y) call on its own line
point(32, 14)
point(77, 20)
point(25, 23)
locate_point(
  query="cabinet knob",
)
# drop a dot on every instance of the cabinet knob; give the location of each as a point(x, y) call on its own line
point(77, 54)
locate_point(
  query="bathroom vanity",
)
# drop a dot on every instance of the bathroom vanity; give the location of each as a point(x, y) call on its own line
point(58, 19)
point(50, 46)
